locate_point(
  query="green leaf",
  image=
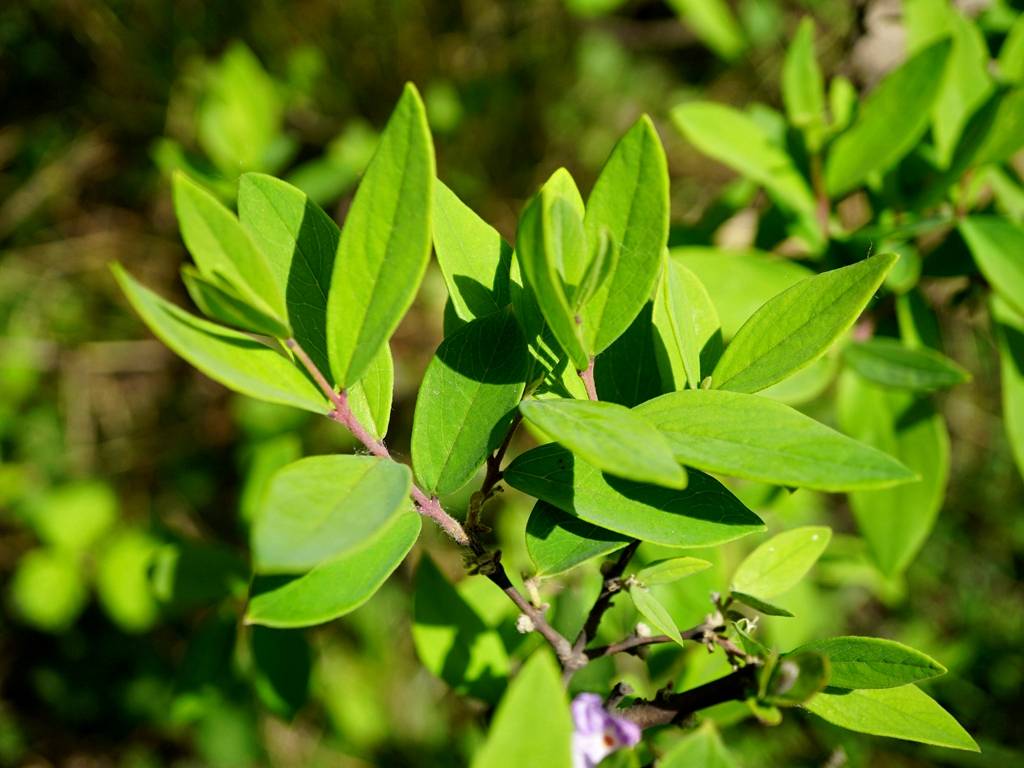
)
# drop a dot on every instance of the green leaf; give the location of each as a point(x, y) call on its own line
point(385, 244)
point(654, 612)
point(871, 662)
point(798, 326)
point(300, 242)
point(370, 398)
point(539, 250)
point(672, 570)
point(795, 678)
point(474, 259)
point(756, 438)
point(336, 587)
point(48, 590)
point(1009, 327)
point(282, 664)
point(762, 606)
point(223, 249)
point(627, 372)
point(234, 359)
point(320, 507)
point(630, 199)
point(603, 262)
point(992, 134)
point(996, 245)
point(803, 87)
point(899, 713)
point(219, 301)
point(558, 541)
point(890, 122)
point(702, 747)
point(896, 521)
point(713, 22)
point(611, 437)
point(890, 363)
point(779, 563)
point(74, 517)
point(532, 725)
point(702, 514)
point(738, 282)
point(466, 401)
point(688, 326)
point(735, 139)
point(122, 580)
point(1011, 54)
point(451, 639)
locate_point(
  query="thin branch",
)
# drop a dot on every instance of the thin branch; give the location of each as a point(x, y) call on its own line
point(611, 586)
point(629, 645)
point(587, 374)
point(668, 708)
point(342, 413)
point(562, 647)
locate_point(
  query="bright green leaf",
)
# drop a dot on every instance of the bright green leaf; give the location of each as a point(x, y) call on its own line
point(74, 517)
point(466, 401)
point(558, 541)
point(320, 507)
point(996, 245)
point(871, 662)
point(896, 521)
point(687, 325)
point(451, 639)
point(223, 249)
point(672, 570)
point(888, 362)
point(629, 199)
point(532, 726)
point(798, 326)
point(219, 301)
point(370, 398)
point(702, 514)
point(890, 122)
point(713, 22)
point(900, 713)
point(48, 590)
point(779, 563)
point(336, 587)
point(300, 241)
point(234, 359)
point(803, 87)
point(122, 580)
point(474, 259)
point(385, 243)
point(755, 438)
point(611, 437)
point(702, 747)
point(654, 612)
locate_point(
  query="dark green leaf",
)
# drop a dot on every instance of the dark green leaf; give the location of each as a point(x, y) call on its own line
point(702, 514)
point(759, 605)
point(627, 372)
point(466, 401)
point(281, 669)
point(219, 301)
point(1010, 336)
point(795, 678)
point(558, 541)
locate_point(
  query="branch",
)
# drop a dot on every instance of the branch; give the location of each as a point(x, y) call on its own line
point(587, 374)
point(342, 413)
point(668, 708)
point(612, 585)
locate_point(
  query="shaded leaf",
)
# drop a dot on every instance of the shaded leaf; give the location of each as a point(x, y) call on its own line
point(669, 571)
point(996, 245)
point(890, 363)
point(687, 325)
point(558, 541)
point(654, 612)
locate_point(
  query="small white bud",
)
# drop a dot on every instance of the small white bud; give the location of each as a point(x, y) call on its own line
point(642, 630)
point(524, 624)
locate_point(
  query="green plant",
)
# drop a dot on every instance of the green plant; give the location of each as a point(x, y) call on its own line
point(614, 355)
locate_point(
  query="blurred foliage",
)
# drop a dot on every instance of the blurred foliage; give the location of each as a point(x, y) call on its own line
point(127, 480)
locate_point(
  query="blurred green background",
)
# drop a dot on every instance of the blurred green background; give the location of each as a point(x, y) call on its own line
point(127, 479)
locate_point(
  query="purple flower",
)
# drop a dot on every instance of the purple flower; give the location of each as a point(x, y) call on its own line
point(598, 732)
